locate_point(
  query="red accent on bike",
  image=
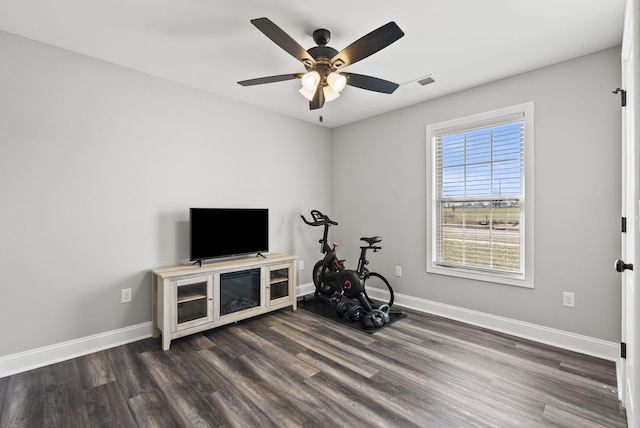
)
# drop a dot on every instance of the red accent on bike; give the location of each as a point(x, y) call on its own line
point(335, 244)
point(347, 285)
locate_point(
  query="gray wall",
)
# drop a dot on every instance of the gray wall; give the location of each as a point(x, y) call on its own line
point(379, 188)
point(98, 167)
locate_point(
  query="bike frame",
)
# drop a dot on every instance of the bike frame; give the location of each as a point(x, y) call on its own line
point(363, 262)
point(332, 262)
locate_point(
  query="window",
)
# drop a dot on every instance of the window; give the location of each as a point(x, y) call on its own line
point(480, 196)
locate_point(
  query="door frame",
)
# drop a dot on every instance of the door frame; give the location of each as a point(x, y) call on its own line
point(628, 384)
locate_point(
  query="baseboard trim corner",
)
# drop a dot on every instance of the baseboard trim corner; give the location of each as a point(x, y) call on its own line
point(46, 355)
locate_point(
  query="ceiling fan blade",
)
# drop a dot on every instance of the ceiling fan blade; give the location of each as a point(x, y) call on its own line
point(282, 39)
point(318, 99)
point(270, 79)
point(367, 45)
point(370, 83)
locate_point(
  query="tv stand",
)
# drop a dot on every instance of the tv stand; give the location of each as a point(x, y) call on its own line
point(188, 299)
point(261, 255)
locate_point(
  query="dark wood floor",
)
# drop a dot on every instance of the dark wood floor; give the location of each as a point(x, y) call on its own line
point(291, 369)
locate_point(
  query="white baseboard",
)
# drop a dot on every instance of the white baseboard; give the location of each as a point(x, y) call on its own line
point(40, 357)
point(550, 336)
point(305, 289)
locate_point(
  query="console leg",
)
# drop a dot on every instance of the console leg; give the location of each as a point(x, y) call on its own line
point(154, 306)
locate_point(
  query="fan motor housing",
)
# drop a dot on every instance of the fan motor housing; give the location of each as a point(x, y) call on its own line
point(319, 52)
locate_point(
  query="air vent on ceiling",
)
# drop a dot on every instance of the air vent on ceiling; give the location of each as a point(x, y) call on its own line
point(418, 83)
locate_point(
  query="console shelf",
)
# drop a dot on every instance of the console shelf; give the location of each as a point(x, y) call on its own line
point(190, 299)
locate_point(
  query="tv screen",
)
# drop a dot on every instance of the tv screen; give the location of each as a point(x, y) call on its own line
point(220, 232)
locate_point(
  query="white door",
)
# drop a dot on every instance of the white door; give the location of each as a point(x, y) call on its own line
point(630, 367)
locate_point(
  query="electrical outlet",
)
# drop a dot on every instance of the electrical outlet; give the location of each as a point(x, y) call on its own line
point(568, 299)
point(126, 295)
point(300, 264)
point(398, 270)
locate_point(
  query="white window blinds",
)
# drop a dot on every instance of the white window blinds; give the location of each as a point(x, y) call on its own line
point(478, 186)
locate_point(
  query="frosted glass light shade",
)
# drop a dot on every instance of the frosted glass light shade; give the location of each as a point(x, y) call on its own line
point(331, 87)
point(330, 94)
point(336, 81)
point(307, 93)
point(310, 80)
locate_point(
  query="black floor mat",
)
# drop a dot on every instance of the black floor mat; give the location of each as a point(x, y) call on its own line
point(327, 310)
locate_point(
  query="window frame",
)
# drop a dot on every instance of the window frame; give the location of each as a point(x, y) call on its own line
point(468, 123)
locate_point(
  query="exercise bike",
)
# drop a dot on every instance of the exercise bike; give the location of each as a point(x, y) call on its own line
point(334, 282)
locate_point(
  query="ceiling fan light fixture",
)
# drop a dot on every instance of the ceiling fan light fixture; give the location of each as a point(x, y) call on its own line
point(322, 61)
point(330, 94)
point(310, 80)
point(337, 81)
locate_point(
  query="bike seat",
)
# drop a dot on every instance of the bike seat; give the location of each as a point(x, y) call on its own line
point(372, 240)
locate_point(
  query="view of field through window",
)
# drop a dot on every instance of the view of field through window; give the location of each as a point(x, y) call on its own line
point(483, 235)
point(479, 184)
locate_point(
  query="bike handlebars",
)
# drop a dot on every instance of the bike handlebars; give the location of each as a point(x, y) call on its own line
point(319, 219)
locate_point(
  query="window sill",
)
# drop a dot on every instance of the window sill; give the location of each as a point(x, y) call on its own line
point(495, 278)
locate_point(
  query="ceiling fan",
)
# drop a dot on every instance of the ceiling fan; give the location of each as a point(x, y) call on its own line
point(322, 82)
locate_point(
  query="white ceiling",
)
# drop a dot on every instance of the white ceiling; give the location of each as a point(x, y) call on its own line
point(211, 45)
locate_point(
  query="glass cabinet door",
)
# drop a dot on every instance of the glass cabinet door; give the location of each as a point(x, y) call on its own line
point(279, 283)
point(193, 302)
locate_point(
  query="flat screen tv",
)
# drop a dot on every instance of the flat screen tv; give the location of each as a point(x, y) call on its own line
point(224, 232)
